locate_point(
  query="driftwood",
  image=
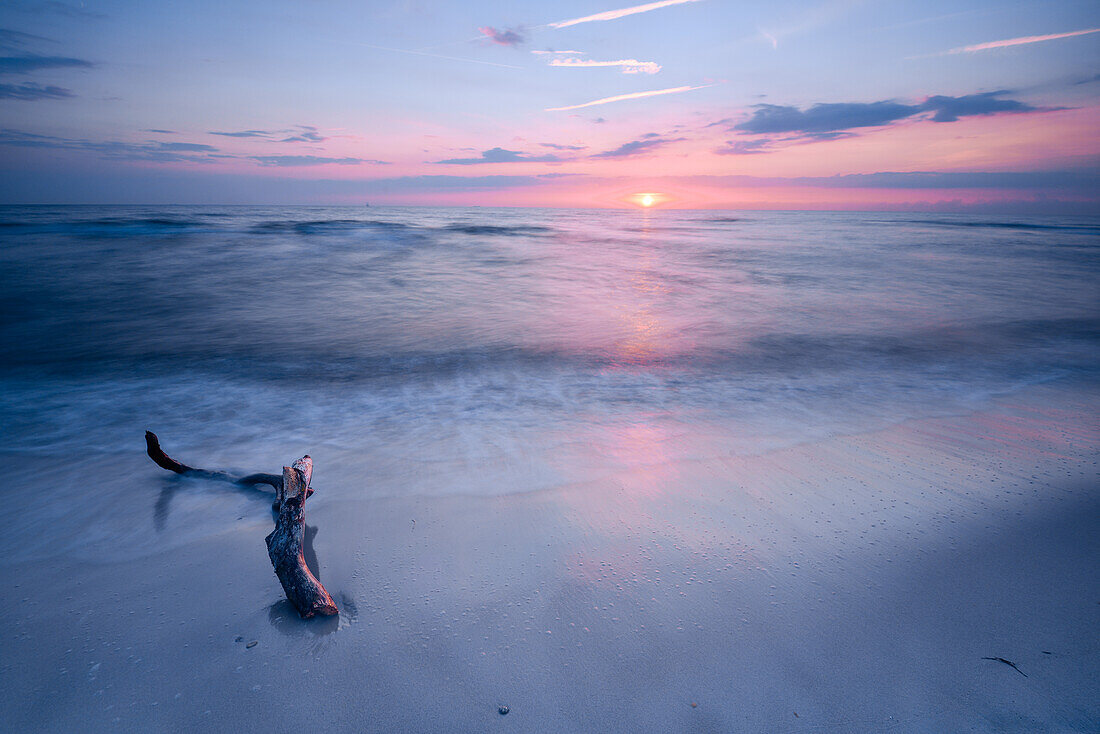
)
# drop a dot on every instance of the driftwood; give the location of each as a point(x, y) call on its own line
point(164, 461)
point(284, 545)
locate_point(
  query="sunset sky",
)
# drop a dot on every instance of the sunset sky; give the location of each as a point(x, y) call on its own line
point(831, 104)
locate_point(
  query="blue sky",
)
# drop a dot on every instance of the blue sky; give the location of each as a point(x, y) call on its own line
point(761, 104)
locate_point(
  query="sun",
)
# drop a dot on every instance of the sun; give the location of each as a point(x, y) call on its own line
point(647, 199)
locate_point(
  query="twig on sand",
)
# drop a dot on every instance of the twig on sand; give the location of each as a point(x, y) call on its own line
point(1008, 663)
point(284, 544)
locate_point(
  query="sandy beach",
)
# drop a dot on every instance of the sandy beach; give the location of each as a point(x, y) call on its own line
point(656, 366)
point(852, 584)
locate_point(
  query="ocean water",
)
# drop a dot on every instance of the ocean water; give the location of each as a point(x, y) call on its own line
point(421, 351)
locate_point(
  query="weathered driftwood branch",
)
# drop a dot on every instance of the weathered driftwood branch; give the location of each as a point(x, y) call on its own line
point(284, 545)
point(164, 461)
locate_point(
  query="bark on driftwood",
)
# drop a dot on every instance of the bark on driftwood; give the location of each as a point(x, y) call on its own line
point(284, 545)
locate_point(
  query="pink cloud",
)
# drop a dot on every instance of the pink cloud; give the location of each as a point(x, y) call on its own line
point(504, 37)
point(628, 66)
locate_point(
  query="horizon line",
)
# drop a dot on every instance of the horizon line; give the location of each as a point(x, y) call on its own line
point(1011, 207)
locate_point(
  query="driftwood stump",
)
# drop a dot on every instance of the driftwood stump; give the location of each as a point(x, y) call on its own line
point(284, 545)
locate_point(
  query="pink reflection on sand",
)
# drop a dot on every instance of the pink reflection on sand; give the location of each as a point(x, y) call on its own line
point(655, 526)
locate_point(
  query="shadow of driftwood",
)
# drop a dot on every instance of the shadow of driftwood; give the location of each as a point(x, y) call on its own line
point(310, 554)
point(174, 484)
point(284, 617)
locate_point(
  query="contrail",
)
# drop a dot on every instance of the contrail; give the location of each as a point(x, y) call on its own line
point(613, 14)
point(620, 97)
point(1019, 41)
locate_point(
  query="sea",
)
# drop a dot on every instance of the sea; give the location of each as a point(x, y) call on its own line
point(492, 352)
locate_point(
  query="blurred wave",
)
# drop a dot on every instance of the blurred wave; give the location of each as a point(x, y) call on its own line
point(493, 351)
point(1003, 225)
point(559, 314)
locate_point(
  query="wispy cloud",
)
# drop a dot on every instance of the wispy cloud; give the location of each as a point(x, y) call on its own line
point(621, 97)
point(808, 18)
point(29, 62)
point(242, 134)
point(500, 155)
point(769, 143)
point(746, 147)
point(443, 183)
point(635, 147)
point(647, 142)
point(304, 134)
point(296, 134)
point(114, 149)
point(10, 39)
point(60, 8)
point(1023, 40)
point(295, 161)
point(622, 13)
point(1084, 179)
point(1071, 178)
point(31, 91)
point(161, 152)
point(187, 147)
point(504, 37)
point(557, 146)
point(628, 66)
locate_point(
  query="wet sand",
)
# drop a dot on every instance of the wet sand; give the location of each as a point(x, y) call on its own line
point(849, 584)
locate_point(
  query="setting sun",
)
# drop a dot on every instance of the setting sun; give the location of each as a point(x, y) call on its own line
point(647, 199)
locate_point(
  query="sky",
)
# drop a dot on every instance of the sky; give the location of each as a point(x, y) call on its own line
point(725, 104)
